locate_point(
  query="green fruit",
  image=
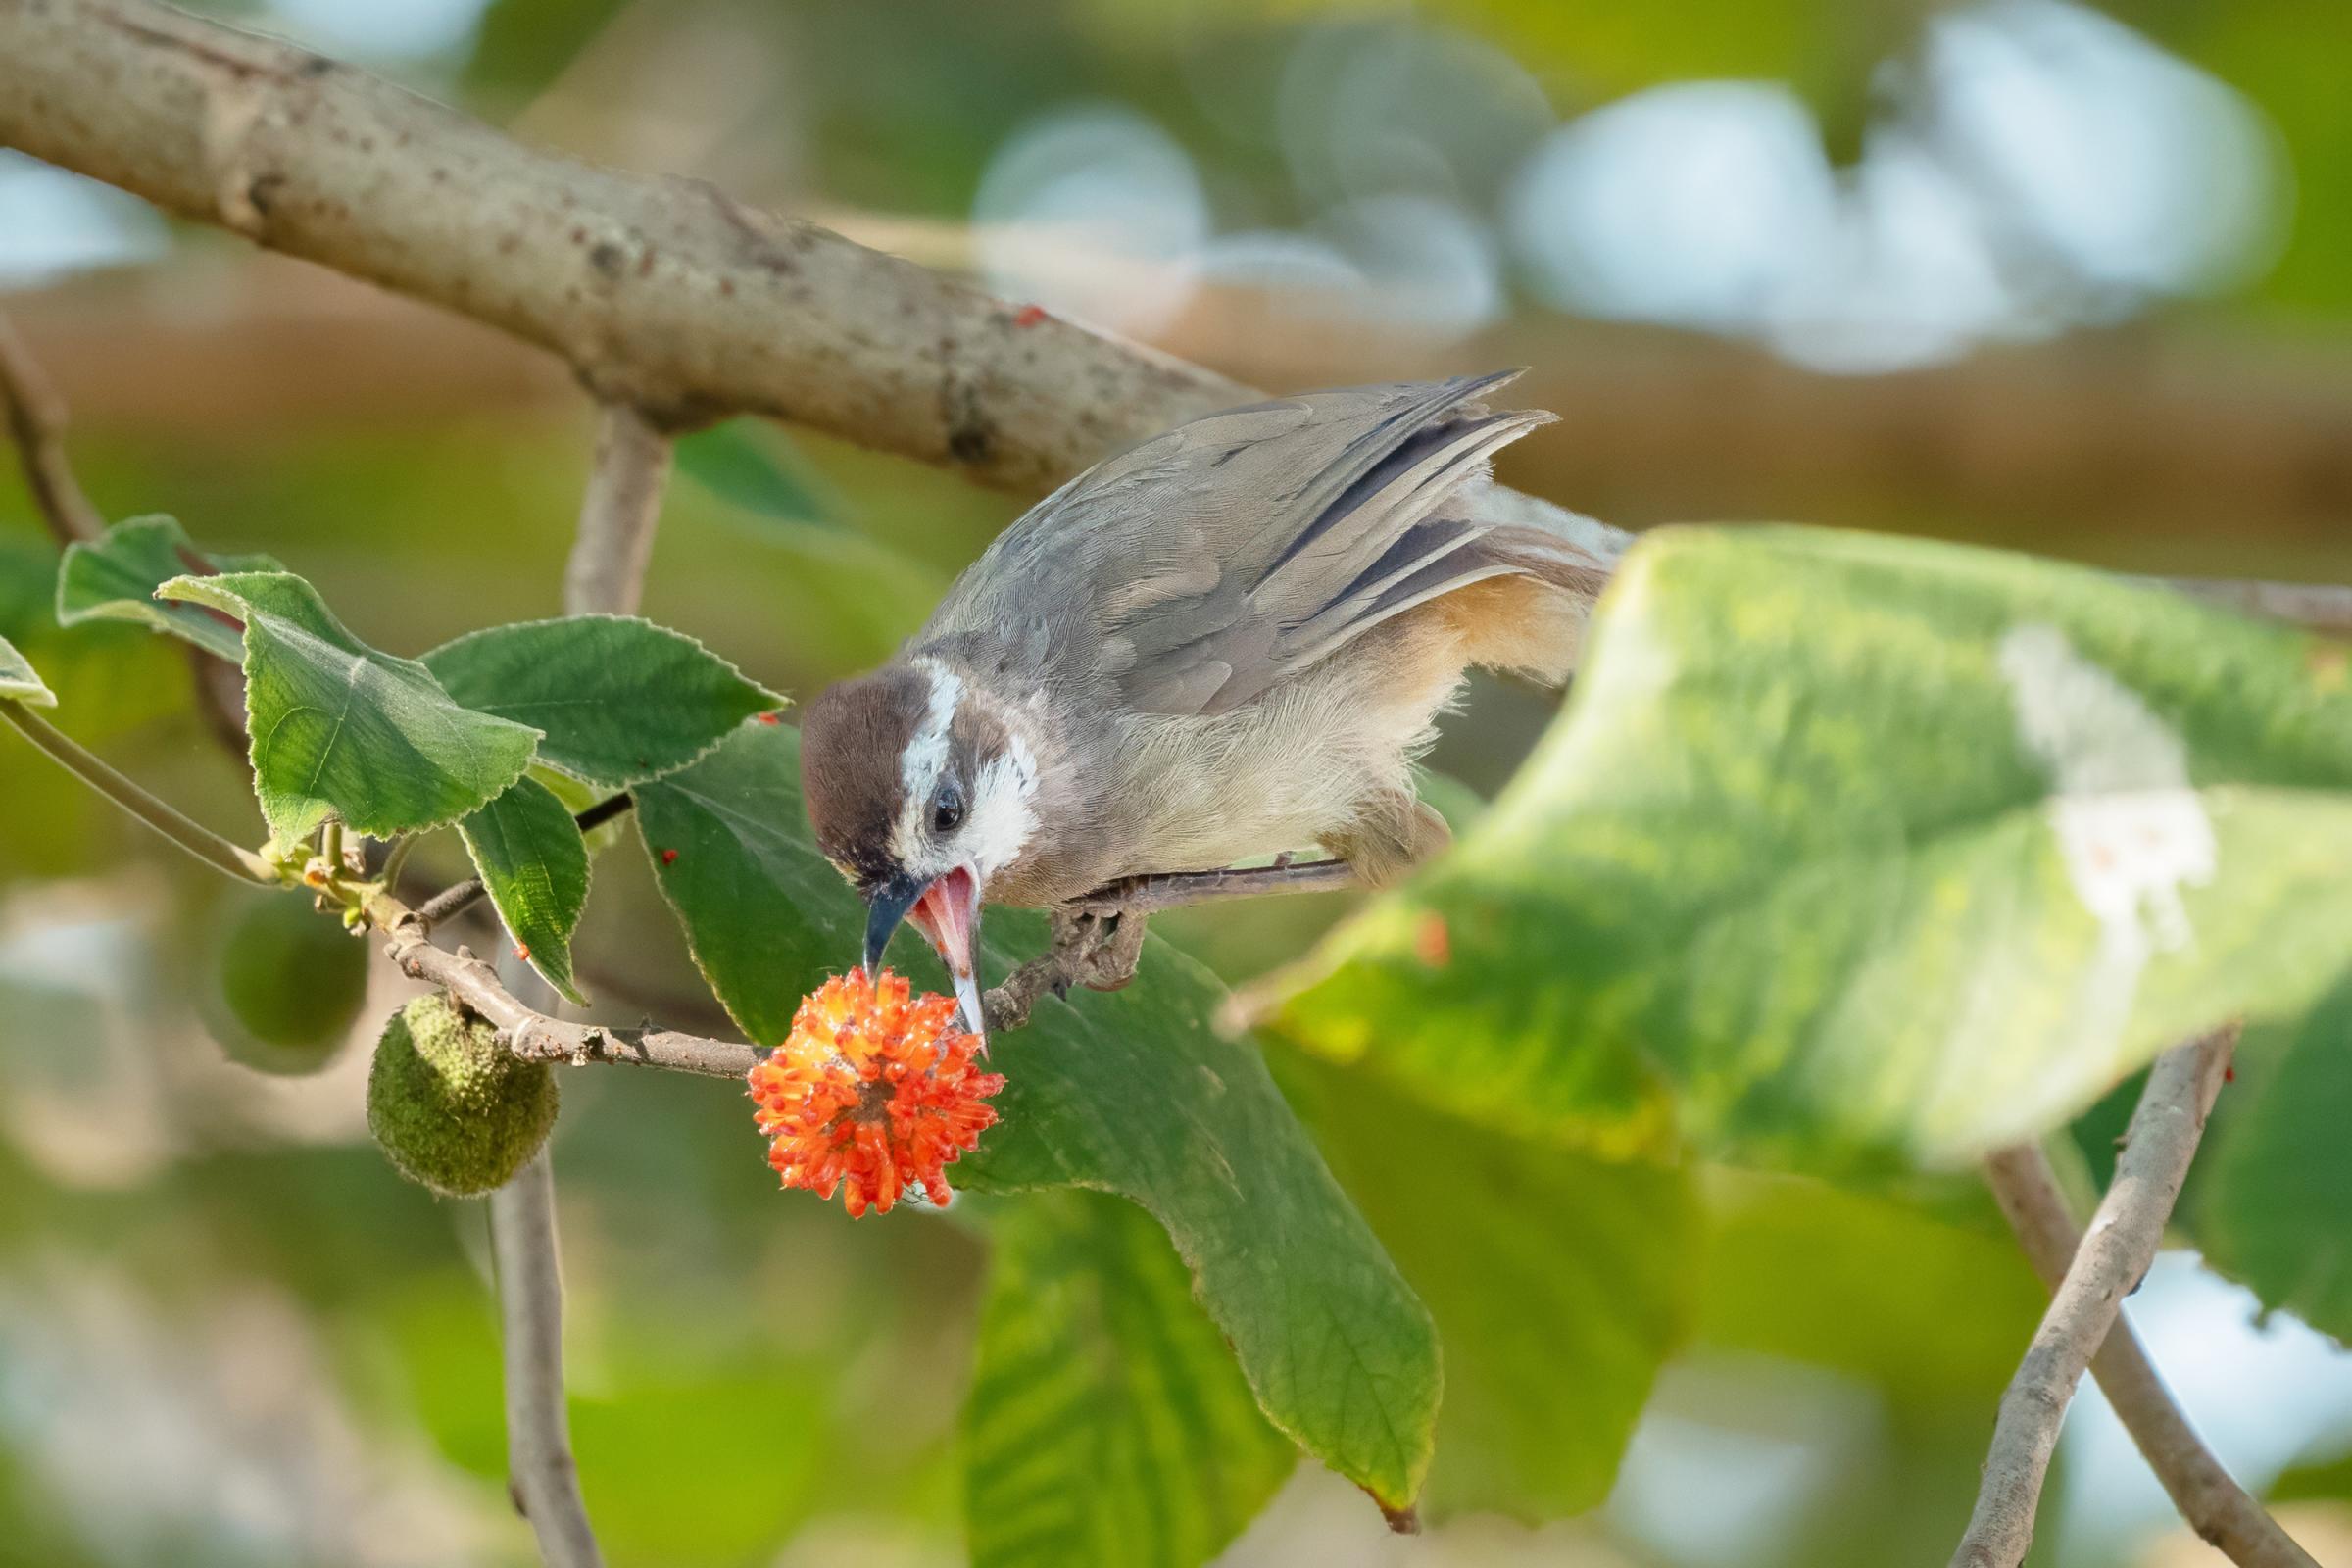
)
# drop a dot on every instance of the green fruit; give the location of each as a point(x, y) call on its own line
point(450, 1106)
point(290, 983)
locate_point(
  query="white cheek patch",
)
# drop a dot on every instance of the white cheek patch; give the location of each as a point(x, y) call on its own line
point(1003, 812)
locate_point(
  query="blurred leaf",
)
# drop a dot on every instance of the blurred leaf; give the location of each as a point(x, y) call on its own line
point(1871, 848)
point(523, 45)
point(534, 865)
point(18, 681)
point(1864, 1285)
point(1106, 1421)
point(2284, 55)
point(39, 1529)
point(711, 1469)
point(109, 679)
point(115, 578)
point(1560, 1284)
point(1591, 53)
point(616, 698)
point(2313, 1481)
point(1129, 1092)
point(342, 730)
point(2273, 1210)
point(291, 982)
point(443, 1326)
point(751, 465)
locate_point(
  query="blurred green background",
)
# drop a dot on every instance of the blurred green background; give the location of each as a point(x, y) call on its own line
point(2069, 278)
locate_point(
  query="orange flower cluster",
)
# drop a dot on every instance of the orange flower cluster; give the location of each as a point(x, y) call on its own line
point(874, 1089)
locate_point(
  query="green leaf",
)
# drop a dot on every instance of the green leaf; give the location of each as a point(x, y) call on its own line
point(18, 681)
point(1106, 1421)
point(2275, 1177)
point(342, 730)
point(1129, 1092)
point(616, 699)
point(534, 865)
point(115, 577)
point(1870, 848)
point(1559, 1283)
point(1803, 1270)
point(751, 465)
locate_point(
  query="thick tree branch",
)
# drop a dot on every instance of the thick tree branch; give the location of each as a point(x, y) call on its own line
point(545, 1485)
point(662, 294)
point(2216, 1506)
point(2117, 1249)
point(671, 298)
point(36, 426)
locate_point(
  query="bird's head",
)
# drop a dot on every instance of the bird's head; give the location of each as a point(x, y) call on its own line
point(921, 787)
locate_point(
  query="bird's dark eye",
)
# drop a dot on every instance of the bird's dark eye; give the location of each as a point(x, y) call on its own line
point(946, 809)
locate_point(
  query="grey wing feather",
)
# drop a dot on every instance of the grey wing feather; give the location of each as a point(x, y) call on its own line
point(1214, 559)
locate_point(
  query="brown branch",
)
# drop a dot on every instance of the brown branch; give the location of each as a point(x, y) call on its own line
point(36, 426)
point(544, 1483)
point(2216, 1506)
point(606, 574)
point(662, 293)
point(2319, 606)
point(671, 298)
point(2118, 1246)
point(534, 1035)
point(665, 295)
point(35, 417)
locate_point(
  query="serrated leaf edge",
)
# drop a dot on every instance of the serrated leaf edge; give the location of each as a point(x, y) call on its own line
point(200, 590)
point(625, 780)
point(568, 989)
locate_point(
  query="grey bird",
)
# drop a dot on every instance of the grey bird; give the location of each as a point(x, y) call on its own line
point(1228, 642)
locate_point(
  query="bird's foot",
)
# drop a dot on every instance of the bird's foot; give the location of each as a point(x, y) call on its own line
point(1104, 943)
point(1097, 945)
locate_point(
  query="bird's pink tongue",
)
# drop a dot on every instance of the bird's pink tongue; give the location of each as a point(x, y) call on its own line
point(944, 913)
point(948, 914)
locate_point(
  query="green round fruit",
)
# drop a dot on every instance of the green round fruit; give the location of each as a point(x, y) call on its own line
point(450, 1106)
point(289, 984)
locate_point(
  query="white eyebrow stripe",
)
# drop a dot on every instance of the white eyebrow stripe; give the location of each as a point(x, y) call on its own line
point(926, 755)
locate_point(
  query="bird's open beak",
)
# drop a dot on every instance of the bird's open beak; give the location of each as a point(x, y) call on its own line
point(947, 910)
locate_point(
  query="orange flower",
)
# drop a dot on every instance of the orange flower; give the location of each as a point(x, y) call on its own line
point(873, 1089)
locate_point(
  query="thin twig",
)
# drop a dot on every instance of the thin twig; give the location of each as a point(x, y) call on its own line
point(2216, 1506)
point(1168, 890)
point(169, 821)
point(35, 417)
point(2118, 1246)
point(606, 574)
point(545, 1482)
point(534, 1035)
point(36, 426)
